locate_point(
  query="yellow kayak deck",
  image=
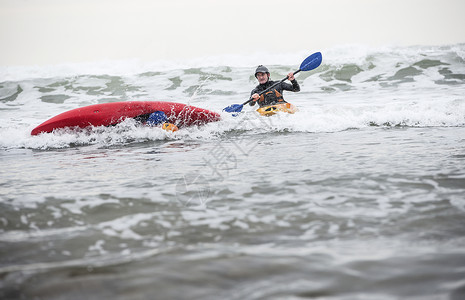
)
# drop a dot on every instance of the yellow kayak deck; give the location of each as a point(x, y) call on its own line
point(273, 109)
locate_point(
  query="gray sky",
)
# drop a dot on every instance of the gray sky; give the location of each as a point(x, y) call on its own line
point(38, 32)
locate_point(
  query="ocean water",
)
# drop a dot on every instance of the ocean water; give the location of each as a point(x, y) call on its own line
point(359, 195)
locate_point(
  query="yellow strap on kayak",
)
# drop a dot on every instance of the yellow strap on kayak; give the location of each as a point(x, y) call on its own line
point(273, 109)
point(169, 127)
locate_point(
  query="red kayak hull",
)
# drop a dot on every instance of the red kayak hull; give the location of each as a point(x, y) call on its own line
point(113, 113)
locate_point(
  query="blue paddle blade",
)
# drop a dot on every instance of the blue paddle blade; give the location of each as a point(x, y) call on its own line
point(235, 108)
point(311, 62)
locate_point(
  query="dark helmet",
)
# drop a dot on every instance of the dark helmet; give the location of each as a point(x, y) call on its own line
point(261, 69)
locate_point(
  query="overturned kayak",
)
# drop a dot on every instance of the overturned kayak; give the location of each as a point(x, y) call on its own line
point(108, 114)
point(273, 109)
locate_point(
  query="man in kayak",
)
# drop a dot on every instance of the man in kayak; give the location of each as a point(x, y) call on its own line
point(275, 95)
point(159, 118)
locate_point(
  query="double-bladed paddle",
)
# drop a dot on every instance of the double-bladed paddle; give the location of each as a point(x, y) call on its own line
point(310, 63)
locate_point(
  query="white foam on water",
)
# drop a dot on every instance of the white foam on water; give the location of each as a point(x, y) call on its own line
point(355, 87)
point(136, 66)
point(317, 118)
point(338, 55)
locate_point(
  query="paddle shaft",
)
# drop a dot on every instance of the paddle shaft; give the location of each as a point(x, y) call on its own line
point(266, 90)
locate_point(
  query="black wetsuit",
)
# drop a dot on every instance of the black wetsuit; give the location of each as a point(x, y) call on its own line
point(275, 95)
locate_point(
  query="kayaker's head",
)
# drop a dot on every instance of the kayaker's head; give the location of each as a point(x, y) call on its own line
point(156, 118)
point(262, 74)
